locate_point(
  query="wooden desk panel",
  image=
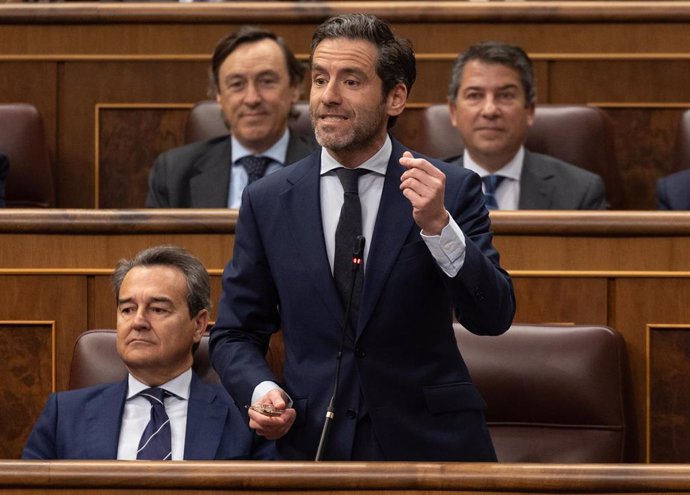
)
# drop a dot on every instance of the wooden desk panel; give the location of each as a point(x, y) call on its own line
point(627, 270)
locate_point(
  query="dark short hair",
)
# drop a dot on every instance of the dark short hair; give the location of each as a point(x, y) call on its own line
point(194, 271)
point(252, 34)
point(495, 52)
point(395, 62)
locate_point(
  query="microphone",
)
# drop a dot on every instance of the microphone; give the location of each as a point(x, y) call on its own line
point(357, 256)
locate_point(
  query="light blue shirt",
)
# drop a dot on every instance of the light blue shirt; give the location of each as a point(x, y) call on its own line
point(238, 175)
point(508, 192)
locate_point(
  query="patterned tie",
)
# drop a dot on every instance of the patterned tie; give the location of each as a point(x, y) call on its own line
point(349, 227)
point(155, 441)
point(255, 166)
point(491, 183)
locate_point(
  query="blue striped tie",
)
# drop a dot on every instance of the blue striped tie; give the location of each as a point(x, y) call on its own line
point(155, 443)
point(491, 183)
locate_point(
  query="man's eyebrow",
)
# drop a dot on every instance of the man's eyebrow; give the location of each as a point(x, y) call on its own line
point(158, 299)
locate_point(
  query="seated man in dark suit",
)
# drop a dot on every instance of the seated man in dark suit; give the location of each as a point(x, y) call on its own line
point(162, 410)
point(673, 191)
point(492, 98)
point(256, 79)
point(4, 167)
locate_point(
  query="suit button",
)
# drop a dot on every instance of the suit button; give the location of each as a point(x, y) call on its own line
point(351, 414)
point(359, 352)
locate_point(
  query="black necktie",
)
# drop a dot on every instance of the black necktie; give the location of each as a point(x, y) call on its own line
point(491, 183)
point(155, 443)
point(255, 166)
point(349, 227)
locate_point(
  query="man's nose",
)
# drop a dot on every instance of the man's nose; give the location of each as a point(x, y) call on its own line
point(331, 94)
point(140, 322)
point(489, 109)
point(252, 95)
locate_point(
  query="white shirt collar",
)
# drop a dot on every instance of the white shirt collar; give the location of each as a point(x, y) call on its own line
point(378, 163)
point(511, 170)
point(277, 152)
point(179, 386)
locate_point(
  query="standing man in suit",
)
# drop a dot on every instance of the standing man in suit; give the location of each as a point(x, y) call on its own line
point(491, 98)
point(404, 392)
point(4, 167)
point(673, 191)
point(256, 80)
point(163, 301)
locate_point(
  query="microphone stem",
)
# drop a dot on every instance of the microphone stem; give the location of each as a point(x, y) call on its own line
point(330, 410)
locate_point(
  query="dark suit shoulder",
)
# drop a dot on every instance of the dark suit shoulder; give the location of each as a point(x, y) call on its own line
point(189, 153)
point(673, 191)
point(552, 165)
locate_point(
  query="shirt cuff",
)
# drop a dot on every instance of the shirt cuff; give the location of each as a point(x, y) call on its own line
point(448, 249)
point(265, 387)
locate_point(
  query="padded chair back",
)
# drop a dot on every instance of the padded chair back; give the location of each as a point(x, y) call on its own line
point(95, 359)
point(554, 393)
point(577, 134)
point(22, 140)
point(205, 121)
point(681, 152)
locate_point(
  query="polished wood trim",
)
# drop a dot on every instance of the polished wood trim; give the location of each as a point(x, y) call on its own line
point(76, 221)
point(333, 477)
point(223, 221)
point(640, 104)
point(75, 272)
point(315, 12)
point(591, 223)
point(596, 274)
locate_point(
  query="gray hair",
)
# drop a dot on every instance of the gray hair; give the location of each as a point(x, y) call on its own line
point(198, 280)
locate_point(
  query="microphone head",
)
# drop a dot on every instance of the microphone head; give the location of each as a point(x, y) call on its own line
point(358, 248)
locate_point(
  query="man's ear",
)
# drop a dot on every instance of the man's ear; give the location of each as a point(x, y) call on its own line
point(200, 324)
point(396, 100)
point(452, 111)
point(530, 115)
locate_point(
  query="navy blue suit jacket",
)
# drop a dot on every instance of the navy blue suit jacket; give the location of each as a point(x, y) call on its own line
point(403, 365)
point(673, 191)
point(85, 424)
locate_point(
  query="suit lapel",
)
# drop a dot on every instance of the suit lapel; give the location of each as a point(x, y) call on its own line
point(103, 419)
point(302, 205)
point(393, 223)
point(209, 187)
point(536, 190)
point(205, 421)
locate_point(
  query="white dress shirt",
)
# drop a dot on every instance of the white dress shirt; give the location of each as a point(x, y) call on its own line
point(137, 414)
point(508, 192)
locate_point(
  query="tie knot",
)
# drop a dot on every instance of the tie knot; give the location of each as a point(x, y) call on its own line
point(154, 395)
point(255, 166)
point(491, 182)
point(349, 178)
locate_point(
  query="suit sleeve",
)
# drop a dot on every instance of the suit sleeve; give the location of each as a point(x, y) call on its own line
point(482, 292)
point(662, 200)
point(42, 440)
point(595, 195)
point(158, 194)
point(247, 312)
